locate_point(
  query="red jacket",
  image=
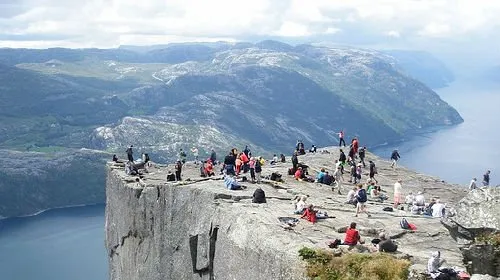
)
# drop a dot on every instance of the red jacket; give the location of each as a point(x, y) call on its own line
point(244, 158)
point(355, 146)
point(351, 237)
point(309, 215)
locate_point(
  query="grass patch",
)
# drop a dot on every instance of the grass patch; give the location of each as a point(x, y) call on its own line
point(489, 239)
point(323, 265)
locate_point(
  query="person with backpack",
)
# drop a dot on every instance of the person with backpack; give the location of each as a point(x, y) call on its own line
point(130, 153)
point(258, 170)
point(394, 158)
point(361, 197)
point(295, 161)
point(213, 156)
point(342, 160)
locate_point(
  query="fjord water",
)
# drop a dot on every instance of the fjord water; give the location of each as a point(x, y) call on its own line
point(59, 244)
point(457, 154)
point(68, 244)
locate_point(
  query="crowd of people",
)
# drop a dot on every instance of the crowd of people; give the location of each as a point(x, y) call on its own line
point(238, 167)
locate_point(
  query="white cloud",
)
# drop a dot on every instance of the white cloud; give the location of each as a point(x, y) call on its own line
point(393, 33)
point(107, 23)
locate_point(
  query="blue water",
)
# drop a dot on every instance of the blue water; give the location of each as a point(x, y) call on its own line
point(459, 153)
point(68, 244)
point(60, 244)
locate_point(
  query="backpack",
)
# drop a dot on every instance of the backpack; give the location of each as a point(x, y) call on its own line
point(275, 177)
point(146, 157)
point(258, 167)
point(404, 224)
point(291, 171)
point(259, 196)
point(361, 195)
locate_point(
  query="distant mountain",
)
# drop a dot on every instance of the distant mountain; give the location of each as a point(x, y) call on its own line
point(424, 67)
point(216, 95)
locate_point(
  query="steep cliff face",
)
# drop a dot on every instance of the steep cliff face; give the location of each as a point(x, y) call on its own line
point(181, 232)
point(200, 230)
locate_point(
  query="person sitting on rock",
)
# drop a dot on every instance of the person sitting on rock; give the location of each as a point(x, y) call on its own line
point(376, 193)
point(282, 158)
point(435, 269)
point(352, 236)
point(328, 179)
point(320, 176)
point(238, 165)
point(231, 183)
point(275, 160)
point(386, 244)
point(438, 209)
point(203, 171)
point(300, 204)
point(409, 199)
point(351, 196)
point(299, 175)
point(310, 214)
point(428, 208)
point(313, 149)
point(209, 168)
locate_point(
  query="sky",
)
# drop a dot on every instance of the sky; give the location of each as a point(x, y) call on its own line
point(440, 25)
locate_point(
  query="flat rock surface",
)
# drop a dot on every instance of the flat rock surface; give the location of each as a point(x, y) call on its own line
point(429, 236)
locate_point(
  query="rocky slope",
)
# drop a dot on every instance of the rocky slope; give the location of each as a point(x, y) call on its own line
point(200, 230)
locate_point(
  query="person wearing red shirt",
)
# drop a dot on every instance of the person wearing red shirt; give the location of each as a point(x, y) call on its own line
point(298, 174)
point(355, 146)
point(310, 214)
point(352, 236)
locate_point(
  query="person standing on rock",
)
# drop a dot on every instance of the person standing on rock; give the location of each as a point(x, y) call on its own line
point(341, 138)
point(342, 159)
point(194, 151)
point(295, 161)
point(130, 153)
point(229, 164)
point(373, 171)
point(178, 170)
point(258, 170)
point(398, 192)
point(472, 185)
point(246, 151)
point(338, 179)
point(486, 178)
point(213, 156)
point(361, 197)
point(394, 158)
point(361, 155)
point(355, 146)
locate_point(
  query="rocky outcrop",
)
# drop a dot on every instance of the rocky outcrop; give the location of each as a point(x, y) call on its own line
point(475, 219)
point(200, 230)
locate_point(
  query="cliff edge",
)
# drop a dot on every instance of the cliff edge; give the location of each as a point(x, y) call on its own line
point(200, 230)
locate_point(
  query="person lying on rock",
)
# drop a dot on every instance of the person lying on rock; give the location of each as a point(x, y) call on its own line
point(386, 244)
point(310, 214)
point(352, 236)
point(313, 215)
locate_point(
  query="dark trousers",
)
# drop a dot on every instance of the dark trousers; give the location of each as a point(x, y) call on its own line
point(341, 141)
point(130, 157)
point(177, 175)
